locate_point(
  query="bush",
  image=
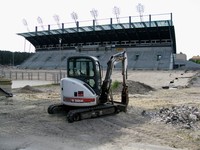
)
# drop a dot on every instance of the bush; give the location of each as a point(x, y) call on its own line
point(115, 85)
point(195, 61)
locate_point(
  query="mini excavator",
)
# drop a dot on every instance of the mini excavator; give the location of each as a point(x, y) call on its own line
point(83, 93)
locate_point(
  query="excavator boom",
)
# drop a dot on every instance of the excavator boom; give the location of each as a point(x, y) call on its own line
point(119, 57)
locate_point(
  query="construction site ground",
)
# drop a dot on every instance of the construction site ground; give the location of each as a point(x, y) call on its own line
point(26, 125)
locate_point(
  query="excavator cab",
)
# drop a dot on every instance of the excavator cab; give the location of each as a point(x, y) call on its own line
point(86, 69)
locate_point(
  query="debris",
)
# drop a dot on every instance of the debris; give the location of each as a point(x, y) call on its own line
point(165, 87)
point(179, 115)
point(144, 113)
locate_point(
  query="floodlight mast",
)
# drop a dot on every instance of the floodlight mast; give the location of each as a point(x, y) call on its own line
point(39, 20)
point(94, 14)
point(26, 24)
point(57, 20)
point(116, 12)
point(74, 16)
point(140, 10)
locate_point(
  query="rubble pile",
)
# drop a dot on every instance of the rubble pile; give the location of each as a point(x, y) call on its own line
point(183, 115)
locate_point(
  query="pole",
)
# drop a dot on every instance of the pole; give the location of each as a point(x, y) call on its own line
point(13, 59)
point(60, 41)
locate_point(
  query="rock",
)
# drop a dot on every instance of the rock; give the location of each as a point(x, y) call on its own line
point(197, 114)
point(168, 120)
point(195, 109)
point(187, 126)
point(192, 117)
point(143, 113)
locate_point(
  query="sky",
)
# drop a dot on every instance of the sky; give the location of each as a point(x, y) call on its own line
point(12, 12)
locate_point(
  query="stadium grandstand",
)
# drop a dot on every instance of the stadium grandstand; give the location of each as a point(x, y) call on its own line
point(150, 44)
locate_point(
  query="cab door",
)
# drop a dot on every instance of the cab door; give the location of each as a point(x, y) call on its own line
point(87, 69)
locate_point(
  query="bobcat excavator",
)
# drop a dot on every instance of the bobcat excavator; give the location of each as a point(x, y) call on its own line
point(84, 95)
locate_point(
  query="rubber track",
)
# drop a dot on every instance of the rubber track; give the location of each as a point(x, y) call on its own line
point(91, 110)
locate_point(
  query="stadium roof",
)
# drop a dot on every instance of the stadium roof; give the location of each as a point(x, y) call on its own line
point(134, 33)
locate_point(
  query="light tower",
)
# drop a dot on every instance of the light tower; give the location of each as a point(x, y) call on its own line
point(74, 16)
point(26, 24)
point(140, 10)
point(57, 20)
point(39, 20)
point(94, 14)
point(116, 12)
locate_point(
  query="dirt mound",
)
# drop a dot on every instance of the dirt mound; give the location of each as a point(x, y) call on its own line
point(134, 88)
point(29, 89)
point(195, 81)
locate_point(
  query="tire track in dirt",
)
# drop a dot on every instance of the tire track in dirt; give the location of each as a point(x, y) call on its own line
point(129, 132)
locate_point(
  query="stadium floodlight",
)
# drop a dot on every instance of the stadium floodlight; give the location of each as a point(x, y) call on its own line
point(74, 16)
point(39, 20)
point(26, 24)
point(57, 20)
point(116, 12)
point(94, 14)
point(140, 10)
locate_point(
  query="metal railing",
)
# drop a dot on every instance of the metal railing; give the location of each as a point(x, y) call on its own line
point(44, 75)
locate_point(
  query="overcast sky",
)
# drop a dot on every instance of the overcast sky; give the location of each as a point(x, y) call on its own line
point(12, 12)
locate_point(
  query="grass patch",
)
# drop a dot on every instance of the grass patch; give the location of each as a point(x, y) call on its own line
point(4, 81)
point(115, 85)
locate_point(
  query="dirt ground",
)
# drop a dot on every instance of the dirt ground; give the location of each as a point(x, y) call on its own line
point(26, 125)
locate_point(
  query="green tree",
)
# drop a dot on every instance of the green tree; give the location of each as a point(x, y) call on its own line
point(13, 58)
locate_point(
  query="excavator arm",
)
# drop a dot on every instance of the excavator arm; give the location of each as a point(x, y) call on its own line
point(105, 90)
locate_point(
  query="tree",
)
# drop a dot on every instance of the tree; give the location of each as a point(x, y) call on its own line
point(195, 60)
point(13, 58)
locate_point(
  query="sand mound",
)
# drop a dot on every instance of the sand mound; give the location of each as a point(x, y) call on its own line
point(134, 88)
point(195, 81)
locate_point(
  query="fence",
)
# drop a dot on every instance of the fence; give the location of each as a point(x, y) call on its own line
point(54, 76)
